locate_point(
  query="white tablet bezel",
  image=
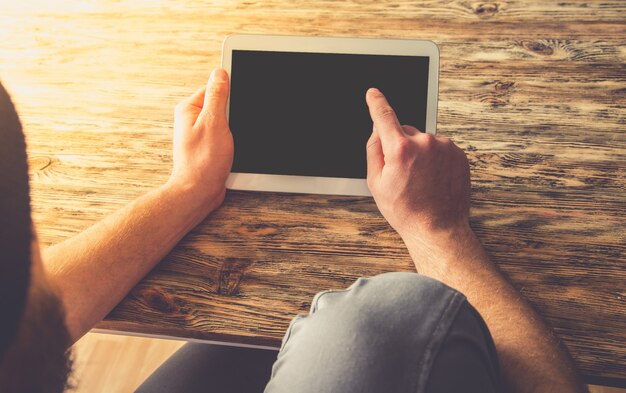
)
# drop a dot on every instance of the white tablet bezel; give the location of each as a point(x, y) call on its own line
point(328, 185)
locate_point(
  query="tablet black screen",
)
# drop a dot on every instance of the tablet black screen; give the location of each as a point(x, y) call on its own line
point(305, 114)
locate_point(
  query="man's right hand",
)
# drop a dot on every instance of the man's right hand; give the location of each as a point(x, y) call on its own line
point(421, 185)
point(420, 182)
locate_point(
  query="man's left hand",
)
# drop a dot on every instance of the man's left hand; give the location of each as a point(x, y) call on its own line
point(203, 143)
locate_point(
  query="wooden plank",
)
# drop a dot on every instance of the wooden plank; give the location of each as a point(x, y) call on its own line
point(534, 91)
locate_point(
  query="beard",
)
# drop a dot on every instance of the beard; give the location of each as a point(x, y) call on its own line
point(39, 359)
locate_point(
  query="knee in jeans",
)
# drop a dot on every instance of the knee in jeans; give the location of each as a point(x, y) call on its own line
point(379, 299)
point(382, 320)
point(383, 288)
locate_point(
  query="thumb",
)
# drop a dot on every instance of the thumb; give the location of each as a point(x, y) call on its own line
point(215, 98)
point(375, 157)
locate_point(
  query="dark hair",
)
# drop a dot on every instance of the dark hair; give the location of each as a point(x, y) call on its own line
point(33, 338)
point(15, 227)
point(38, 359)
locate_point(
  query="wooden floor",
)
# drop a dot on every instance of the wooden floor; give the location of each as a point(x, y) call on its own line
point(113, 363)
point(107, 363)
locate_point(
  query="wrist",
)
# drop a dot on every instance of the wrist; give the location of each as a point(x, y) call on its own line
point(440, 239)
point(436, 252)
point(196, 199)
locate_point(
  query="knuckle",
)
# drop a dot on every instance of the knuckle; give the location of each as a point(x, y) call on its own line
point(386, 112)
point(403, 144)
point(427, 140)
point(218, 89)
point(212, 118)
point(445, 141)
point(403, 149)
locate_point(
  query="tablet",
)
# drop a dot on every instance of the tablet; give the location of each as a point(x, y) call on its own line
point(297, 107)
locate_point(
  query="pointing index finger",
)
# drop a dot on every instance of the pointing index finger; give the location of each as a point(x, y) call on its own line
point(383, 116)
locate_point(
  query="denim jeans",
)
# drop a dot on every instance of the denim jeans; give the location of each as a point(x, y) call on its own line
point(395, 332)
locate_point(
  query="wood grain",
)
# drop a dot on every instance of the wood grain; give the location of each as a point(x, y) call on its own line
point(534, 91)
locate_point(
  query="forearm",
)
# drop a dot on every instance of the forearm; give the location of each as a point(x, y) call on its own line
point(94, 270)
point(530, 357)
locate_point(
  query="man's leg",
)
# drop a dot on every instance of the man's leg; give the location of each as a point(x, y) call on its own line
point(396, 332)
point(212, 368)
point(467, 360)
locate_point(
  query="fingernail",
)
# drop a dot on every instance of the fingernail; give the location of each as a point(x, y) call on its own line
point(217, 75)
point(373, 90)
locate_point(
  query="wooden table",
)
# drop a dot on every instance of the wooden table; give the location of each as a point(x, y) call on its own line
point(535, 92)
